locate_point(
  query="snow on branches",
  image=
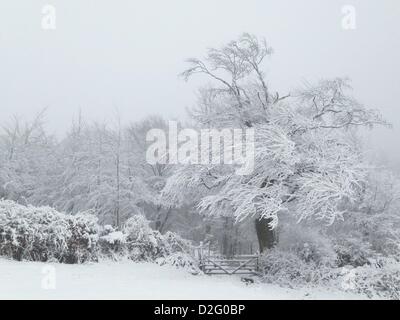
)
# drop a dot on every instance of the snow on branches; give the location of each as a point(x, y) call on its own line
point(306, 147)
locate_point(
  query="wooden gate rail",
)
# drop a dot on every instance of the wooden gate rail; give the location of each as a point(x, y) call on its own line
point(229, 266)
point(216, 264)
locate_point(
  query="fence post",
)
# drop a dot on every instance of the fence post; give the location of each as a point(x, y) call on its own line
point(201, 256)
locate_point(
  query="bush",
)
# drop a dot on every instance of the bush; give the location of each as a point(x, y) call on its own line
point(112, 243)
point(352, 251)
point(380, 281)
point(288, 269)
point(307, 244)
point(81, 241)
point(144, 243)
point(41, 234)
point(180, 260)
point(179, 250)
point(302, 256)
point(176, 243)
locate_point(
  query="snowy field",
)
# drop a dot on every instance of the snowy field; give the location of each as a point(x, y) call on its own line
point(128, 280)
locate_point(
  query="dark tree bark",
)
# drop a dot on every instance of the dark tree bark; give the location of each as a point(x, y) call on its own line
point(227, 237)
point(266, 237)
point(160, 222)
point(167, 215)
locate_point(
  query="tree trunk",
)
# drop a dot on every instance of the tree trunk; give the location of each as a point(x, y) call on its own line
point(167, 214)
point(266, 237)
point(227, 237)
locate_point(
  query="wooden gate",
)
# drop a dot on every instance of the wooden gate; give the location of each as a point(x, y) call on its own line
point(210, 263)
point(236, 265)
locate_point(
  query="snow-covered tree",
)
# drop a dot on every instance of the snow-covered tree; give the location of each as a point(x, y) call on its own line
point(154, 175)
point(26, 157)
point(96, 174)
point(307, 155)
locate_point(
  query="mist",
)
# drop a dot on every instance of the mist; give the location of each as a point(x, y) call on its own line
point(127, 55)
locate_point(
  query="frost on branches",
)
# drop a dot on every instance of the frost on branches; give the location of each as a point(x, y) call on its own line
point(307, 159)
point(43, 234)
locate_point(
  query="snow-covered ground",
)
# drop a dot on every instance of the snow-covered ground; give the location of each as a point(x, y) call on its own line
point(128, 280)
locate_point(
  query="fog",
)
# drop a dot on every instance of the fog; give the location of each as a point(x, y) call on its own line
point(125, 55)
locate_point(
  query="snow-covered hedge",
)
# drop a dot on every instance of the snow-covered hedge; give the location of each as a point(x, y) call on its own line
point(112, 243)
point(376, 281)
point(42, 234)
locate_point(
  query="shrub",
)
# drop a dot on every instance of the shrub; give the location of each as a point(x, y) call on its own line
point(180, 260)
point(380, 281)
point(352, 251)
point(144, 243)
point(112, 243)
point(288, 269)
point(42, 233)
point(81, 240)
point(307, 244)
point(303, 256)
point(176, 243)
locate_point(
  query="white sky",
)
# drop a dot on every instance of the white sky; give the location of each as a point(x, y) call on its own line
point(126, 54)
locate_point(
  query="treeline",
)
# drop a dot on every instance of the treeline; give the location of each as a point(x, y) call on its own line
point(101, 167)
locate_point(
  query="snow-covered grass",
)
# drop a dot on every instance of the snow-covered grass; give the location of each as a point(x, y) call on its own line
point(129, 280)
